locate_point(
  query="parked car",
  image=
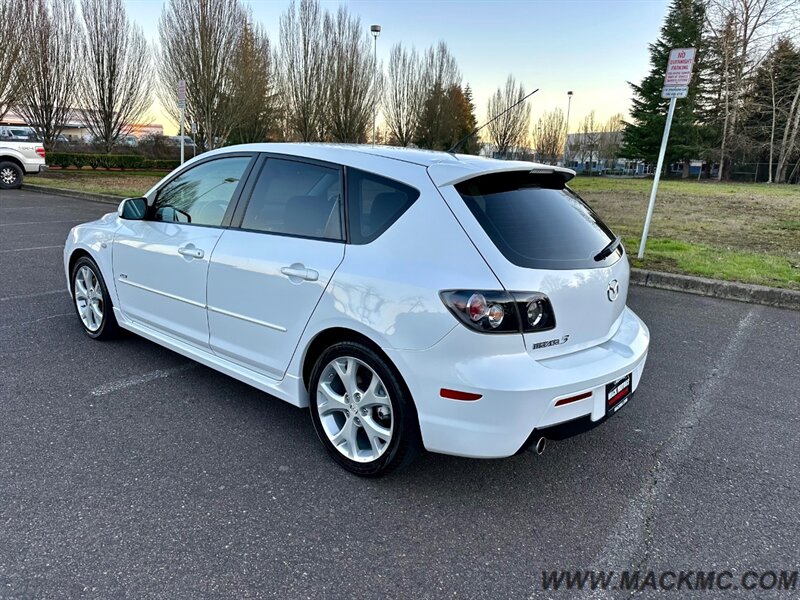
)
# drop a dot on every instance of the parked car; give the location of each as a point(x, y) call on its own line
point(128, 140)
point(409, 298)
point(18, 158)
point(17, 133)
point(175, 140)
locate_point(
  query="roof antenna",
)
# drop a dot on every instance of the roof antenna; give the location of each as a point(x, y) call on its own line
point(469, 135)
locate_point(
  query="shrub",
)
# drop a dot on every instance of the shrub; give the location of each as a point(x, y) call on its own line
point(104, 161)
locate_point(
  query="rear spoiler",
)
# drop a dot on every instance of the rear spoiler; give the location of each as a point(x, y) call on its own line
point(451, 173)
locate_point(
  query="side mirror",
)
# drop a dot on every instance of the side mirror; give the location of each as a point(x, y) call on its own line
point(133, 209)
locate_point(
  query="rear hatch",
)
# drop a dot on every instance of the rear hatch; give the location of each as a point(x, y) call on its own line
point(537, 235)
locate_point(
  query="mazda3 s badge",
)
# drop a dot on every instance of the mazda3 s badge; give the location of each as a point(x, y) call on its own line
point(410, 299)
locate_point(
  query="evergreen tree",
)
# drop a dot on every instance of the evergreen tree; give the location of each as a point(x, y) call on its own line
point(683, 28)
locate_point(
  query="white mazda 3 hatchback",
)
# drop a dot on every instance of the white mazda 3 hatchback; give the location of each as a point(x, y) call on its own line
point(410, 299)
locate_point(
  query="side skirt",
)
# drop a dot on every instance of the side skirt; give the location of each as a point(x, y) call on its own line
point(289, 389)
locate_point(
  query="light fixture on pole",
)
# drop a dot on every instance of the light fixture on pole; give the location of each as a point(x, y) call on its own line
point(376, 31)
point(566, 133)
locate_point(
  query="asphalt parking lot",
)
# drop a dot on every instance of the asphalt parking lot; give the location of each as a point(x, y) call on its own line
point(126, 471)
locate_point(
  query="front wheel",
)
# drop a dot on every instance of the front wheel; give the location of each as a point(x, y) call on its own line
point(10, 176)
point(91, 299)
point(361, 411)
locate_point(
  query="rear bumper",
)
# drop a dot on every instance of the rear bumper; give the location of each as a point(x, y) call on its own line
point(519, 393)
point(34, 168)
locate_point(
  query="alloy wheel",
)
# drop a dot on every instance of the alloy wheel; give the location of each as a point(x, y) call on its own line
point(354, 409)
point(8, 176)
point(89, 298)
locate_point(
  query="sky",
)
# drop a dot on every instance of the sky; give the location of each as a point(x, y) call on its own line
point(592, 47)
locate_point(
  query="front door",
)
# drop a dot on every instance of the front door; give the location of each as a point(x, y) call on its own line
point(266, 278)
point(161, 263)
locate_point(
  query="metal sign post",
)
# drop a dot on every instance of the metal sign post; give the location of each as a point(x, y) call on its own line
point(182, 106)
point(676, 85)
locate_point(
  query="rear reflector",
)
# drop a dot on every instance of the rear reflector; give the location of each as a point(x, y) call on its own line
point(571, 399)
point(456, 395)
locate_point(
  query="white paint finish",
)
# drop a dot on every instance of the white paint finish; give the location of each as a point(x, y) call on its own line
point(519, 393)
point(159, 286)
point(263, 321)
point(290, 388)
point(259, 312)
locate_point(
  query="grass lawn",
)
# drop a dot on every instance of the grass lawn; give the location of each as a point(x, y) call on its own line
point(736, 231)
point(125, 184)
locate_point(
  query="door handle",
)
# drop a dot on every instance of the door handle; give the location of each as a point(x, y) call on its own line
point(190, 251)
point(299, 271)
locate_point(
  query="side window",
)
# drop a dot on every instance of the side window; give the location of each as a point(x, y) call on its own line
point(201, 195)
point(296, 198)
point(374, 203)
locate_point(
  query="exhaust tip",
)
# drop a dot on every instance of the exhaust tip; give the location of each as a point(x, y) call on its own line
point(541, 444)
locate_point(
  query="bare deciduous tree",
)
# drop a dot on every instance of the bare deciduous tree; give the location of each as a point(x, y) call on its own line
point(115, 93)
point(790, 137)
point(404, 94)
point(13, 14)
point(304, 69)
point(351, 77)
point(198, 39)
point(511, 129)
point(51, 56)
point(610, 140)
point(550, 136)
point(739, 29)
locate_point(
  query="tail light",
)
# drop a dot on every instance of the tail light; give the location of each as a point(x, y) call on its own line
point(40, 151)
point(491, 311)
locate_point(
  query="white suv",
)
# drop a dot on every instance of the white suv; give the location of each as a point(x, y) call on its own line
point(471, 306)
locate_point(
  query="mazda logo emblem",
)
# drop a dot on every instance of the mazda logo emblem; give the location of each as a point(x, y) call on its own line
point(613, 290)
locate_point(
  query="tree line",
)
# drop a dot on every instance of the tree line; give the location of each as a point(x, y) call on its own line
point(86, 60)
point(743, 106)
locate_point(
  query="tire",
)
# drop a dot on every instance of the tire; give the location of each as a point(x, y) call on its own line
point(91, 300)
point(11, 175)
point(355, 415)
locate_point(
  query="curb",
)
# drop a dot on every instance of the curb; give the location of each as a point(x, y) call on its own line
point(46, 189)
point(728, 290)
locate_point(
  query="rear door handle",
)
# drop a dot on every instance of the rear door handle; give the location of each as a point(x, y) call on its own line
point(298, 271)
point(191, 251)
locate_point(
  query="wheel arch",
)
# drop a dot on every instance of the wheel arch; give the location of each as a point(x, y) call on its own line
point(76, 254)
point(13, 159)
point(326, 338)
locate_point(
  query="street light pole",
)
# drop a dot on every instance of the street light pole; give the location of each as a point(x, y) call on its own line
point(375, 30)
point(566, 134)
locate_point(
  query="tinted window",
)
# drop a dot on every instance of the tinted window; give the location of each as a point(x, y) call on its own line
point(296, 198)
point(201, 195)
point(536, 222)
point(374, 203)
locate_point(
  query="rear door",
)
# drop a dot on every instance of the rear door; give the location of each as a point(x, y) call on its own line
point(267, 275)
point(539, 236)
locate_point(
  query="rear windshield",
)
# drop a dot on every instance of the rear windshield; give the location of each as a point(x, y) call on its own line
point(537, 222)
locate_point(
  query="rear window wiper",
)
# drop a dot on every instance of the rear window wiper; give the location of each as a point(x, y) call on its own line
point(608, 250)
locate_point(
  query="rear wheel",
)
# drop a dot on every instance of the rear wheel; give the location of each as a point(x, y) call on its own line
point(91, 299)
point(10, 175)
point(361, 411)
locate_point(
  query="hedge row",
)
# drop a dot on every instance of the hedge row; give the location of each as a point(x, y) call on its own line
point(108, 161)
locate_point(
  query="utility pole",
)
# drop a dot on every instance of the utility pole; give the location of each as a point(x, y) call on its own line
point(376, 31)
point(566, 133)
